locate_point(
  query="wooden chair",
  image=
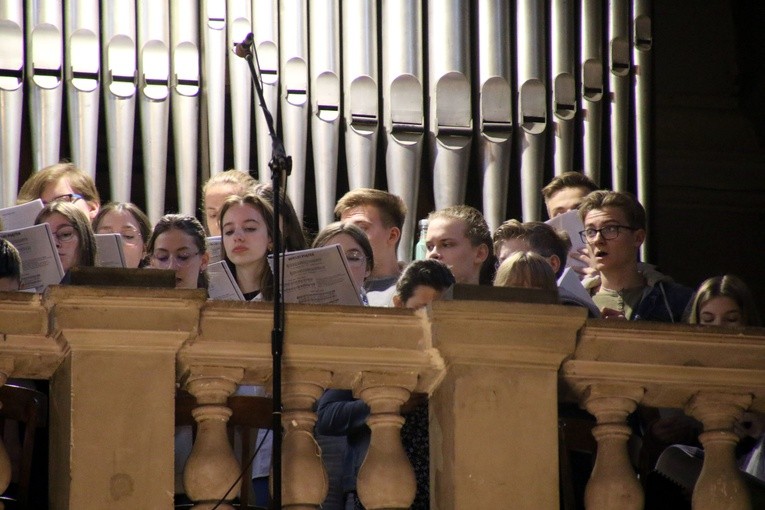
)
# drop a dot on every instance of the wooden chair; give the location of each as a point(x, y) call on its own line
point(248, 413)
point(29, 408)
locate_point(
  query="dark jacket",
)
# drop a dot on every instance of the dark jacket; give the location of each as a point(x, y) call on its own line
point(662, 301)
point(339, 414)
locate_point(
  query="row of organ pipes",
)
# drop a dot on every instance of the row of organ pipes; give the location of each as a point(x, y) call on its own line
point(392, 74)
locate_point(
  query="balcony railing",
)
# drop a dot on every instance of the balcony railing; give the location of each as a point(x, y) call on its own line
point(493, 371)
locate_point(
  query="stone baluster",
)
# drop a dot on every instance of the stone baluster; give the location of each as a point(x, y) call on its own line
point(386, 478)
point(613, 483)
point(720, 485)
point(212, 467)
point(304, 480)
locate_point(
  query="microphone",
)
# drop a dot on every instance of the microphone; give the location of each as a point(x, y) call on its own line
point(243, 49)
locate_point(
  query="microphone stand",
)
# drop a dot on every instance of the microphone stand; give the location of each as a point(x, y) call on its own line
point(281, 166)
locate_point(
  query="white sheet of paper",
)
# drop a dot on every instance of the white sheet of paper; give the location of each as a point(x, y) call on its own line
point(319, 276)
point(40, 264)
point(214, 249)
point(572, 225)
point(222, 284)
point(20, 216)
point(110, 252)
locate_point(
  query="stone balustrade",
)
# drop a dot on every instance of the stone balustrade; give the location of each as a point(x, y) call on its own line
point(493, 371)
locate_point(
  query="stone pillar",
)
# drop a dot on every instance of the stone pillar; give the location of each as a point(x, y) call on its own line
point(112, 399)
point(304, 480)
point(494, 418)
point(212, 468)
point(386, 478)
point(720, 485)
point(613, 483)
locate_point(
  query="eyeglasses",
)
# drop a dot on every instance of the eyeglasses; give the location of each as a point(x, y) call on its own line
point(65, 234)
point(608, 232)
point(166, 260)
point(355, 258)
point(69, 197)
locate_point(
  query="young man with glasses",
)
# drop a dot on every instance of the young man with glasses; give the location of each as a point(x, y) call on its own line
point(614, 229)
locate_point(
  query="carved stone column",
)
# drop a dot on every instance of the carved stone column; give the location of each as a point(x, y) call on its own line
point(613, 483)
point(212, 467)
point(386, 478)
point(720, 485)
point(304, 480)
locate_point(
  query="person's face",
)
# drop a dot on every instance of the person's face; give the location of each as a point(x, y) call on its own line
point(510, 246)
point(354, 253)
point(613, 254)
point(446, 241)
point(9, 284)
point(175, 249)
point(125, 224)
point(422, 296)
point(66, 238)
point(61, 188)
point(245, 235)
point(214, 198)
point(565, 200)
point(367, 218)
point(720, 311)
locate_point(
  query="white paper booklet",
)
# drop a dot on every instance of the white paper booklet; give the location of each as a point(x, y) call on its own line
point(40, 265)
point(214, 249)
point(318, 276)
point(109, 252)
point(571, 288)
point(572, 224)
point(20, 216)
point(222, 284)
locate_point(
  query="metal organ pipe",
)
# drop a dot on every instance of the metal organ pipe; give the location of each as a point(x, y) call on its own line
point(403, 111)
point(325, 102)
point(153, 100)
point(592, 85)
point(532, 101)
point(360, 91)
point(120, 69)
point(619, 84)
point(641, 57)
point(213, 34)
point(184, 69)
point(563, 102)
point(238, 15)
point(11, 97)
point(495, 113)
point(265, 30)
point(450, 123)
point(293, 25)
point(45, 60)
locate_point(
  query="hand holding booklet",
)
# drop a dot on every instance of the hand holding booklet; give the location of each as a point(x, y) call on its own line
point(572, 224)
point(40, 264)
point(318, 276)
point(222, 284)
